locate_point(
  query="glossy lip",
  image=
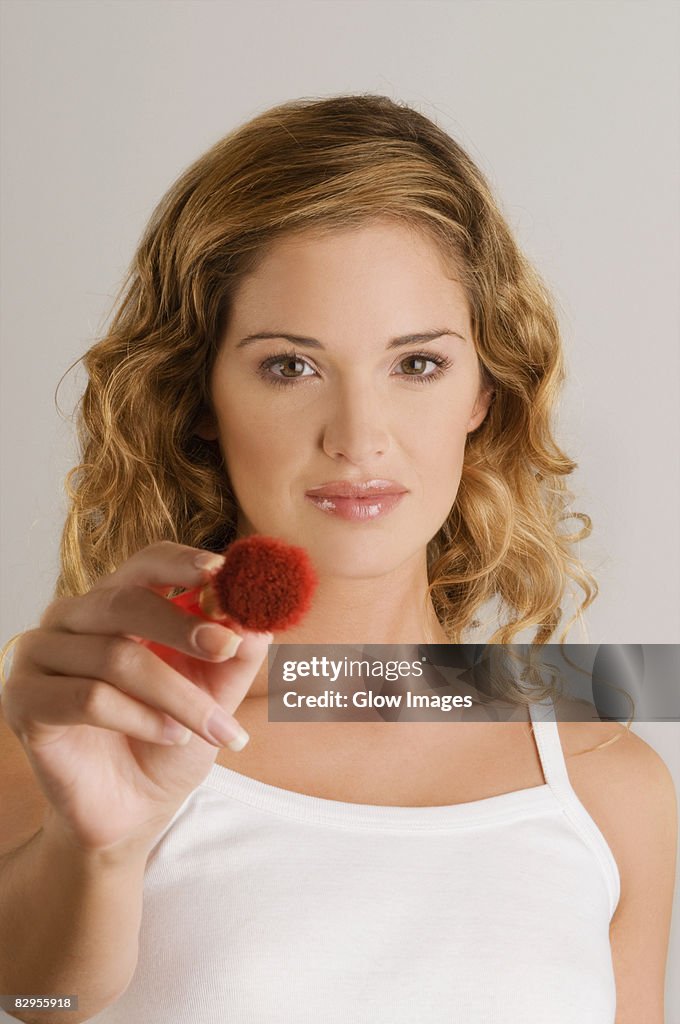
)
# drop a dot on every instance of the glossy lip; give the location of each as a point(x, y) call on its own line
point(357, 510)
point(359, 489)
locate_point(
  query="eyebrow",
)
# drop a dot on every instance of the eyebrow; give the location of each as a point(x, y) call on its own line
point(404, 339)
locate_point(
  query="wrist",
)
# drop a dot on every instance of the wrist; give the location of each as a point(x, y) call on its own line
point(126, 854)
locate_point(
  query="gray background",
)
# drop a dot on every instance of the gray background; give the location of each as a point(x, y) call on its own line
point(571, 109)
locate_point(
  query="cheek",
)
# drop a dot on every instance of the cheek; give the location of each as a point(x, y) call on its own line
point(261, 459)
point(442, 434)
point(440, 453)
point(248, 450)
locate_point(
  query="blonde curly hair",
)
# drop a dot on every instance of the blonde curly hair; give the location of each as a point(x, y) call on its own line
point(323, 164)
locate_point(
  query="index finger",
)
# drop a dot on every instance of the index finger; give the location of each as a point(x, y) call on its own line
point(163, 566)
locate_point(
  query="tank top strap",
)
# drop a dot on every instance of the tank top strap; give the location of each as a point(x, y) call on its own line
point(544, 723)
point(550, 749)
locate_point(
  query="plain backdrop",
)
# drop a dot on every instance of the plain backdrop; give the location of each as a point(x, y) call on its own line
point(570, 108)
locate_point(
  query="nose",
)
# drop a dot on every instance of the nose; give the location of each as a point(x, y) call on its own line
point(355, 426)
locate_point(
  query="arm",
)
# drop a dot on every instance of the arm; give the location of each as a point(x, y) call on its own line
point(81, 688)
point(640, 928)
point(69, 923)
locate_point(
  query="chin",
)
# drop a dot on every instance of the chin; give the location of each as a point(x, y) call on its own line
point(358, 558)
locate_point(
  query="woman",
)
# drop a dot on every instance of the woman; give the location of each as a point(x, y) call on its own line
point(329, 296)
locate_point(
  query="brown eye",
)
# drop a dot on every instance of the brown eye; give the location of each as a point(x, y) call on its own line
point(416, 359)
point(441, 365)
point(292, 360)
point(292, 363)
point(288, 360)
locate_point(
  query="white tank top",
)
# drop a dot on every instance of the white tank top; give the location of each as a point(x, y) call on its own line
point(266, 906)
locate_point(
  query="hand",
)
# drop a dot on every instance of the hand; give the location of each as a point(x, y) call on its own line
point(98, 713)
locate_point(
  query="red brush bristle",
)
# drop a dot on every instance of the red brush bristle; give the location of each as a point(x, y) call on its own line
point(265, 584)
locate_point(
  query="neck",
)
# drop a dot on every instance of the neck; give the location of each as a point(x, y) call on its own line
point(366, 612)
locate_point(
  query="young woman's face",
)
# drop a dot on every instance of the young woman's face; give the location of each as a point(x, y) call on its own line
point(348, 403)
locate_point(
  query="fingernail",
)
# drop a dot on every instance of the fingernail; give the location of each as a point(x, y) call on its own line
point(217, 640)
point(226, 731)
point(239, 742)
point(209, 560)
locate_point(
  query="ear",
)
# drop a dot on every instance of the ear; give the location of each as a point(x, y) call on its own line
point(206, 428)
point(484, 400)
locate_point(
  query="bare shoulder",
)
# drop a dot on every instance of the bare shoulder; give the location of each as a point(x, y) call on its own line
point(22, 802)
point(629, 792)
point(623, 783)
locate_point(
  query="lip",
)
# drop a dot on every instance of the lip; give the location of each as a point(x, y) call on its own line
point(356, 510)
point(357, 489)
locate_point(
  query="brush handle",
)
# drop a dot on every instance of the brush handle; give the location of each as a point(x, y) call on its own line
point(190, 602)
point(204, 601)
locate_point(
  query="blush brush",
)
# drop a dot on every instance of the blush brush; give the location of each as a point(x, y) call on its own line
point(265, 585)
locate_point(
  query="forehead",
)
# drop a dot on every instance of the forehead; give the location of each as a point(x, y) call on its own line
point(381, 261)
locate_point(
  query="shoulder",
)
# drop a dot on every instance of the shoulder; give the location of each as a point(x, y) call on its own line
point(628, 790)
point(625, 785)
point(22, 801)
